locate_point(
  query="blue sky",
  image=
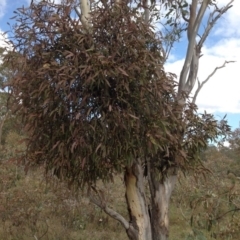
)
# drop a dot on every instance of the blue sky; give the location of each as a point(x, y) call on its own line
point(221, 95)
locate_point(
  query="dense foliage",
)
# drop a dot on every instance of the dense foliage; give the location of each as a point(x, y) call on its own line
point(93, 100)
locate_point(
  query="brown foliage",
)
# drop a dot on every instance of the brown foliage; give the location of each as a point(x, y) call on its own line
point(93, 100)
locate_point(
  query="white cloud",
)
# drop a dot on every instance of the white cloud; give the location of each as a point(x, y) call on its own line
point(228, 48)
point(229, 24)
point(2, 39)
point(3, 4)
point(4, 43)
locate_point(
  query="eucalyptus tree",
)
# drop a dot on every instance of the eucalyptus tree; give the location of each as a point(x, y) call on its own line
point(91, 89)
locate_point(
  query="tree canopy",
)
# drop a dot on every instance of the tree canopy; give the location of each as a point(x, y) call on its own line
point(95, 100)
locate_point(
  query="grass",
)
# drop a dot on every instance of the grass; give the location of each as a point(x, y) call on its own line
point(32, 209)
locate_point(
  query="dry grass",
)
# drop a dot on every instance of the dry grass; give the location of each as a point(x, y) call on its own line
point(32, 209)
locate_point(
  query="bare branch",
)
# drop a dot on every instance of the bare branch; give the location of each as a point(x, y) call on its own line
point(200, 85)
point(100, 202)
point(212, 21)
point(232, 210)
point(77, 12)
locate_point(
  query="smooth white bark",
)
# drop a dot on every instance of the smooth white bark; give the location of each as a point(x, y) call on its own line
point(85, 12)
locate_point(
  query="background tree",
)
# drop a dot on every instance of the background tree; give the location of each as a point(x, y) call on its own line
point(5, 74)
point(3, 111)
point(95, 100)
point(212, 205)
point(8, 121)
point(232, 151)
point(234, 140)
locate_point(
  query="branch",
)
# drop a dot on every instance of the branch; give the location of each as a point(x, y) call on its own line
point(100, 202)
point(146, 11)
point(232, 210)
point(212, 20)
point(118, 1)
point(191, 46)
point(85, 12)
point(200, 85)
point(77, 12)
point(185, 19)
point(192, 76)
point(192, 18)
point(44, 232)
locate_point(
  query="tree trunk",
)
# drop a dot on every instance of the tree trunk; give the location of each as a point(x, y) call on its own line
point(1, 126)
point(140, 226)
point(160, 199)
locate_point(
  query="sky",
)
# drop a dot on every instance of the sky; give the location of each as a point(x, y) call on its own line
point(221, 95)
